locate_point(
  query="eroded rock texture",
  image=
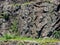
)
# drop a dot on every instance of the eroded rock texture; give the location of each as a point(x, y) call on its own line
point(35, 18)
point(26, 43)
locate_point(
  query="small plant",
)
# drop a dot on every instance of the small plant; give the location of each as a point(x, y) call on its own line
point(8, 36)
point(5, 16)
point(14, 27)
point(56, 34)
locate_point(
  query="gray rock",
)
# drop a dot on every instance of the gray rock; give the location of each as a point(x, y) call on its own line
point(34, 20)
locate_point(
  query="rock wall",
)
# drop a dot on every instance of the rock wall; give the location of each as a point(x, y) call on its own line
point(26, 43)
point(35, 18)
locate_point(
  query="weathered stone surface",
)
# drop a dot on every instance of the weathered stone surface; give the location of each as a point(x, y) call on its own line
point(41, 19)
point(26, 43)
point(36, 19)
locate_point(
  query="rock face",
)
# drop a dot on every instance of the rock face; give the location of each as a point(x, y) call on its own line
point(35, 18)
point(26, 43)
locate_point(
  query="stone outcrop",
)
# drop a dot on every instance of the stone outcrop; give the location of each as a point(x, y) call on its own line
point(35, 18)
point(26, 43)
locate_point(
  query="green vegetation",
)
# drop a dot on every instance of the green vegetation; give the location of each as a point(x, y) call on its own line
point(5, 16)
point(40, 40)
point(22, 4)
point(8, 37)
point(14, 27)
point(56, 34)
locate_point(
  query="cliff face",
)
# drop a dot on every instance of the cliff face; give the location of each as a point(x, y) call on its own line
point(25, 43)
point(32, 18)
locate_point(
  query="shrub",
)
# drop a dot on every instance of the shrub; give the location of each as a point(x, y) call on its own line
point(8, 36)
point(56, 34)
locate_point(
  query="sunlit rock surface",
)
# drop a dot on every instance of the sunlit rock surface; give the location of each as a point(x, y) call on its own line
point(35, 18)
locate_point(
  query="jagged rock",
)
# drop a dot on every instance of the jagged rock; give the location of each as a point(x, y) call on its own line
point(37, 19)
point(26, 43)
